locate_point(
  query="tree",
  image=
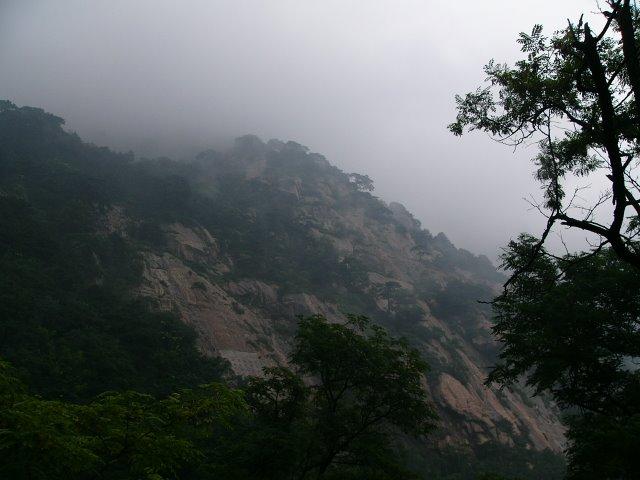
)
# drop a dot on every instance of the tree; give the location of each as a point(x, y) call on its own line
point(391, 292)
point(39, 437)
point(577, 95)
point(569, 324)
point(118, 435)
point(363, 386)
point(572, 328)
point(362, 182)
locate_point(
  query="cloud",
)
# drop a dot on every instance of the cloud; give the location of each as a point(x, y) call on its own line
point(369, 84)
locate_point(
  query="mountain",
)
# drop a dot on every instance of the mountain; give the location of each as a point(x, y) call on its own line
point(237, 245)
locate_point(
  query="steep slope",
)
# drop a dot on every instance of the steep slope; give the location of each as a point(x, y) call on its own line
point(314, 243)
point(239, 243)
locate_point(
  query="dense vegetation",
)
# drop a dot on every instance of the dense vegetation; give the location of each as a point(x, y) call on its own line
point(96, 383)
point(365, 387)
point(67, 319)
point(112, 387)
point(570, 324)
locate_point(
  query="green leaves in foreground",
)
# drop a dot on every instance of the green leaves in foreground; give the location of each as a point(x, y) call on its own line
point(570, 327)
point(120, 435)
point(361, 387)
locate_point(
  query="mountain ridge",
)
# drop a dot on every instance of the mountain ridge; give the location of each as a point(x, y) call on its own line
point(238, 243)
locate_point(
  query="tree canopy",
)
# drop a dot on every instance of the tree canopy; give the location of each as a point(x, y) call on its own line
point(569, 324)
point(362, 182)
point(363, 387)
point(576, 95)
point(572, 329)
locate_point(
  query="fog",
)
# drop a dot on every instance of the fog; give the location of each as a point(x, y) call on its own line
point(369, 84)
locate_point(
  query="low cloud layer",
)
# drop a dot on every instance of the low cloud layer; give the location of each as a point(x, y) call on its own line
point(368, 84)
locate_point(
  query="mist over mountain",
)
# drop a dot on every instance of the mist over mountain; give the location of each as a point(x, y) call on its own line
point(276, 240)
point(225, 252)
point(369, 85)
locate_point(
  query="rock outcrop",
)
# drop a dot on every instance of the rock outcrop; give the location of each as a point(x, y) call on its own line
point(418, 285)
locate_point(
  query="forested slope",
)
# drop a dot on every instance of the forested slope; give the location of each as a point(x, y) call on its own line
point(119, 274)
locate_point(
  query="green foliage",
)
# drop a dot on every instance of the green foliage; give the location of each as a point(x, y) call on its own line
point(361, 361)
point(71, 327)
point(353, 273)
point(375, 209)
point(392, 293)
point(459, 304)
point(570, 326)
point(460, 299)
point(364, 385)
point(603, 446)
point(408, 315)
point(258, 227)
point(490, 461)
point(116, 436)
point(71, 330)
point(362, 183)
point(67, 320)
point(340, 426)
point(575, 94)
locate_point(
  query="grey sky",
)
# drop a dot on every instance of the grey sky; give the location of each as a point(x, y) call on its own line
point(369, 84)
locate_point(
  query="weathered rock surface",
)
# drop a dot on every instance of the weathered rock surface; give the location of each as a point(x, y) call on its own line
point(250, 321)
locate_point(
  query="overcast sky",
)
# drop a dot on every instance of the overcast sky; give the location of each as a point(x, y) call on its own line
point(369, 84)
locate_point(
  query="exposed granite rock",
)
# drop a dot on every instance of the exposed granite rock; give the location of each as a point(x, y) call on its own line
point(248, 323)
point(251, 322)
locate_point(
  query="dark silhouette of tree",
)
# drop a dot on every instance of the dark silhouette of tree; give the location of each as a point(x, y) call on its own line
point(577, 95)
point(363, 384)
point(571, 328)
point(569, 325)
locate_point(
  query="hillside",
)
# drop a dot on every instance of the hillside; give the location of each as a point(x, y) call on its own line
point(237, 244)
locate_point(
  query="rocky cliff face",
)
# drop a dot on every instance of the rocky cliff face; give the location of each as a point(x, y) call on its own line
point(276, 206)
